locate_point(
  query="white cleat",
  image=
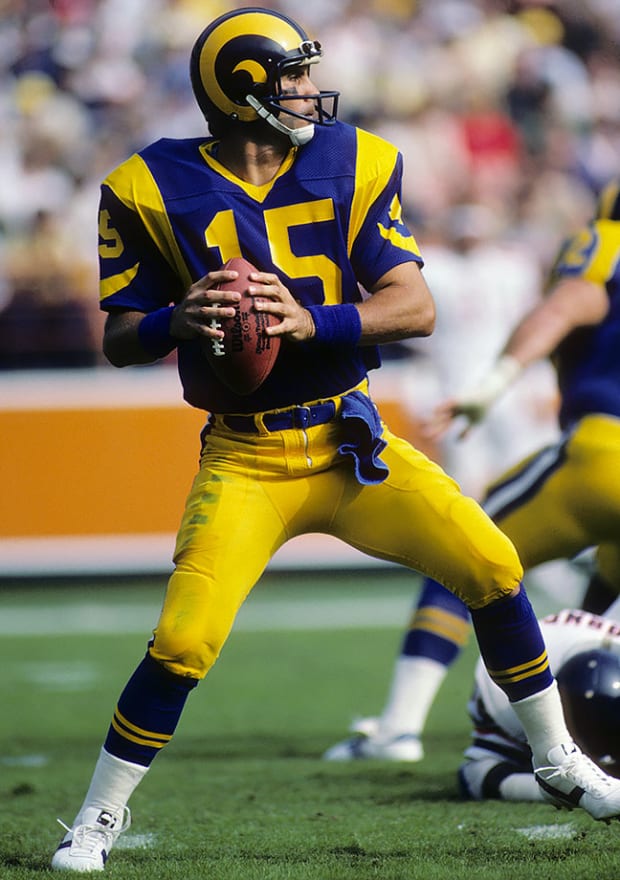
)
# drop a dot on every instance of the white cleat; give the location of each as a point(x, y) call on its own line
point(573, 780)
point(366, 743)
point(86, 846)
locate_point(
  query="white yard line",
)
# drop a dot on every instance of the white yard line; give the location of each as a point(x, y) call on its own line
point(548, 832)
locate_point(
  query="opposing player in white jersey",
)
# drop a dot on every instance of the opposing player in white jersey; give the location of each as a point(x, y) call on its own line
point(584, 652)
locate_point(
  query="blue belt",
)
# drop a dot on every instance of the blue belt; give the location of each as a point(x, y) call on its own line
point(298, 417)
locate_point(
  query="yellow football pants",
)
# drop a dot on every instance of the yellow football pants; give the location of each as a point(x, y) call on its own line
point(566, 498)
point(255, 492)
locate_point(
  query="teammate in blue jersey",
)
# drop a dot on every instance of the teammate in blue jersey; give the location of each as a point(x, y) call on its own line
point(557, 503)
point(315, 205)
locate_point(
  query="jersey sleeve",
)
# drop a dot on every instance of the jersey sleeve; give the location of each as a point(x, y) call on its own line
point(133, 272)
point(379, 237)
point(591, 254)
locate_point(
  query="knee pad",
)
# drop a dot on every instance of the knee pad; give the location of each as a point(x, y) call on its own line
point(191, 658)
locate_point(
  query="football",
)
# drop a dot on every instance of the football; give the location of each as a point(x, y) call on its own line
point(245, 356)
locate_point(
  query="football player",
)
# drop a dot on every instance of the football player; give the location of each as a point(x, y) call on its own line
point(555, 504)
point(315, 205)
point(584, 649)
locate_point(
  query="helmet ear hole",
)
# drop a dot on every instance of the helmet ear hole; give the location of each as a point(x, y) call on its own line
point(258, 89)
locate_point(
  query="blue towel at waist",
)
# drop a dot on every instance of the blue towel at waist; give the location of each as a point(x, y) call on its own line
point(363, 441)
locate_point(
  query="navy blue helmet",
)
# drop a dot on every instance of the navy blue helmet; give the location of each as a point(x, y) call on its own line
point(589, 684)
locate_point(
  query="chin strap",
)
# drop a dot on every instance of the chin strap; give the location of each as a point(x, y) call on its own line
point(297, 136)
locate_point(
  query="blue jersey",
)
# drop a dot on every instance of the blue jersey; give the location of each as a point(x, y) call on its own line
point(328, 222)
point(588, 360)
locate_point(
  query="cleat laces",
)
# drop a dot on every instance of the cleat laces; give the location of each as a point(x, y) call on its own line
point(88, 839)
point(581, 771)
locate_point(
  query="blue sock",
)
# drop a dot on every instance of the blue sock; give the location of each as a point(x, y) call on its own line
point(439, 627)
point(147, 713)
point(512, 646)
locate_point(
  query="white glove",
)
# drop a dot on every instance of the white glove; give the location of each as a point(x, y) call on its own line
point(474, 404)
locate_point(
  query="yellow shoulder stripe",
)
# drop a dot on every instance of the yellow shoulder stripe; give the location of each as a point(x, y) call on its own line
point(374, 165)
point(603, 263)
point(135, 186)
point(375, 162)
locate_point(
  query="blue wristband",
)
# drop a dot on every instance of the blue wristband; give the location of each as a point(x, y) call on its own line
point(336, 325)
point(154, 332)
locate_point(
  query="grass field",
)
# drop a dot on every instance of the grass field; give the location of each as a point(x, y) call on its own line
point(241, 793)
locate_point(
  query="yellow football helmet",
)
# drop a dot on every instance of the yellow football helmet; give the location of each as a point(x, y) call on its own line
point(236, 67)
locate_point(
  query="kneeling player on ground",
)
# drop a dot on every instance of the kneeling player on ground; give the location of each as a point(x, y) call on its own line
point(584, 651)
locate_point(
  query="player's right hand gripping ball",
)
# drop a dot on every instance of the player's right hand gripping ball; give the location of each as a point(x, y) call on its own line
point(245, 356)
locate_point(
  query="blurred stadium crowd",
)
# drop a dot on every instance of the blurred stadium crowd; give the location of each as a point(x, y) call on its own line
point(508, 115)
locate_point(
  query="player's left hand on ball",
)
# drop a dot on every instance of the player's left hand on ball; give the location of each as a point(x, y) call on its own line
point(204, 305)
point(274, 298)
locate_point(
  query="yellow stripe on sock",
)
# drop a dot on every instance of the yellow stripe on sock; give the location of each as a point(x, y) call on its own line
point(518, 673)
point(136, 739)
point(442, 623)
point(137, 734)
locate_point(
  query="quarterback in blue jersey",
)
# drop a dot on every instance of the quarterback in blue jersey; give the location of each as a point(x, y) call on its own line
point(314, 204)
point(555, 504)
